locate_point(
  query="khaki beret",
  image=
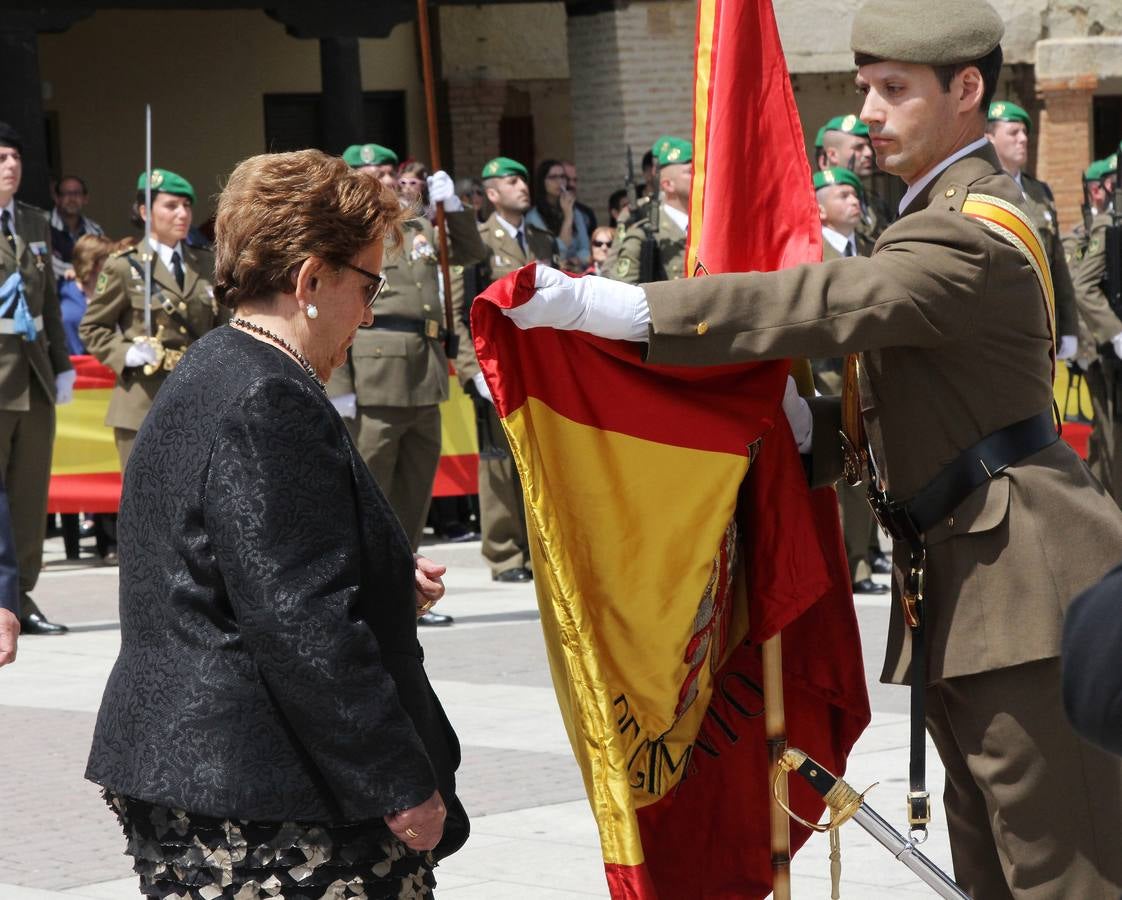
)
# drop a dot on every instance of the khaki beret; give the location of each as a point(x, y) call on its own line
point(934, 34)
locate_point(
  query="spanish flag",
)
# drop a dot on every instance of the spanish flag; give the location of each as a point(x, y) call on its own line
point(672, 529)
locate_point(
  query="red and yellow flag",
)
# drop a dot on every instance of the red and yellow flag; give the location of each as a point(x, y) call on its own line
point(672, 529)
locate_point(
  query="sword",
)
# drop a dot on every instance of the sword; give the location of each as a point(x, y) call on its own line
point(147, 255)
point(845, 803)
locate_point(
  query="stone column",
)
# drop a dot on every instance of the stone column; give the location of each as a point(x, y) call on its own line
point(1064, 146)
point(342, 120)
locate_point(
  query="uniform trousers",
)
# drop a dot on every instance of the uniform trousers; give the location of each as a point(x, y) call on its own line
point(26, 442)
point(502, 513)
point(857, 528)
point(401, 447)
point(124, 438)
point(1104, 445)
point(1034, 812)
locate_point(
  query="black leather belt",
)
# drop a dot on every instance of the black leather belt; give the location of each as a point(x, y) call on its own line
point(973, 467)
point(430, 328)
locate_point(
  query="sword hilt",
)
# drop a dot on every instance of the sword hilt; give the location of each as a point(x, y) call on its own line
point(842, 801)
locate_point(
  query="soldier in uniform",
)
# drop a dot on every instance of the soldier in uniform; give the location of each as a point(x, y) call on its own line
point(675, 173)
point(1104, 371)
point(396, 375)
point(953, 324)
point(1008, 127)
point(183, 306)
point(35, 373)
point(843, 142)
point(838, 192)
point(512, 242)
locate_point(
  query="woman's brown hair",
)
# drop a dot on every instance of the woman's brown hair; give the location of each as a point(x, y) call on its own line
point(90, 253)
point(278, 209)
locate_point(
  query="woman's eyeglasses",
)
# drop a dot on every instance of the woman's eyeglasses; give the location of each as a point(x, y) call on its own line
point(602, 244)
point(374, 288)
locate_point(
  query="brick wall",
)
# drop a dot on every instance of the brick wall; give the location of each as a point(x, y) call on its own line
point(1064, 146)
point(474, 111)
point(631, 74)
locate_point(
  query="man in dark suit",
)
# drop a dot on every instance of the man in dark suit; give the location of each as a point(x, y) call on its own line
point(9, 585)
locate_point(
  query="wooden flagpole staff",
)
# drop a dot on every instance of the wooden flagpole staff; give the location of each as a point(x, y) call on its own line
point(775, 726)
point(423, 35)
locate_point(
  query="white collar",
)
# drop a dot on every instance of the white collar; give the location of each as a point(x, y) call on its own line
point(839, 241)
point(165, 252)
point(11, 208)
point(915, 190)
point(679, 218)
point(512, 230)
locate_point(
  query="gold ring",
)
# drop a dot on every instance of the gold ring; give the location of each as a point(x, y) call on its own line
point(428, 606)
point(411, 834)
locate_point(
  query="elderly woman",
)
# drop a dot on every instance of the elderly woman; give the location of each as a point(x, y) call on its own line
point(268, 729)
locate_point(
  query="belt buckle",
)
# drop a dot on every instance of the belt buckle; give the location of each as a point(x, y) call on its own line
point(432, 328)
point(911, 598)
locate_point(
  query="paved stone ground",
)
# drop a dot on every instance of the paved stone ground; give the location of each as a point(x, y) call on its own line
point(533, 834)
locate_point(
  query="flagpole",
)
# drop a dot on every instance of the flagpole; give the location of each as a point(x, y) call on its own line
point(775, 727)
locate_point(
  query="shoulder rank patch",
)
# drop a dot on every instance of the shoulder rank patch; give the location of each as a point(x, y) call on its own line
point(623, 266)
point(102, 283)
point(1092, 247)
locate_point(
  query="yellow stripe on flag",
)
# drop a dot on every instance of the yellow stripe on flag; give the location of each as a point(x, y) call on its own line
point(617, 642)
point(83, 443)
point(706, 16)
point(457, 423)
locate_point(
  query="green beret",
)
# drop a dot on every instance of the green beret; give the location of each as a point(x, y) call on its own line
point(849, 124)
point(933, 34)
point(1100, 168)
point(166, 182)
point(358, 155)
point(835, 175)
point(669, 150)
point(1004, 111)
point(502, 166)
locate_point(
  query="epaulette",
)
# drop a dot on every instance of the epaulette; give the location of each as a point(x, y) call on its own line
point(124, 251)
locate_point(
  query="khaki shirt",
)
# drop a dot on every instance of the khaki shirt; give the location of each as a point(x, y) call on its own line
point(403, 368)
point(671, 247)
point(46, 356)
point(955, 343)
point(115, 316)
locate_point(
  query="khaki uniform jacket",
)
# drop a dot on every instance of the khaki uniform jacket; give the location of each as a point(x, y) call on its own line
point(1090, 293)
point(828, 372)
point(671, 247)
point(46, 356)
point(398, 368)
point(1041, 207)
point(955, 342)
point(115, 315)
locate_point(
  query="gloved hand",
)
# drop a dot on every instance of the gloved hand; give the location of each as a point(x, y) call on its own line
point(609, 309)
point(1069, 346)
point(140, 355)
point(346, 405)
point(480, 385)
point(1116, 341)
point(442, 190)
point(64, 387)
point(798, 415)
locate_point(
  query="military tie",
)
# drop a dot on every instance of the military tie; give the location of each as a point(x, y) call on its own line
point(521, 238)
point(177, 269)
point(849, 251)
point(6, 227)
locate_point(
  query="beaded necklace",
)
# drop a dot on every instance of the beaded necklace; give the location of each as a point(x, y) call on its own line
point(282, 343)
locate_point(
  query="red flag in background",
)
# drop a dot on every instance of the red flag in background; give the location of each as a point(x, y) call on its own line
point(672, 530)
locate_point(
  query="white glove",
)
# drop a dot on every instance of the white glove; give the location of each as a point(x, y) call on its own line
point(64, 387)
point(1117, 342)
point(600, 306)
point(140, 355)
point(346, 405)
point(1069, 346)
point(481, 386)
point(442, 190)
point(798, 415)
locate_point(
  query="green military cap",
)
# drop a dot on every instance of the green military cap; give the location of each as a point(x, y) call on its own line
point(849, 124)
point(358, 155)
point(669, 150)
point(167, 182)
point(933, 34)
point(836, 175)
point(1004, 111)
point(502, 166)
point(1100, 168)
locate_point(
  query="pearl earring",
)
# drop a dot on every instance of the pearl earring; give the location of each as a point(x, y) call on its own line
point(312, 311)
